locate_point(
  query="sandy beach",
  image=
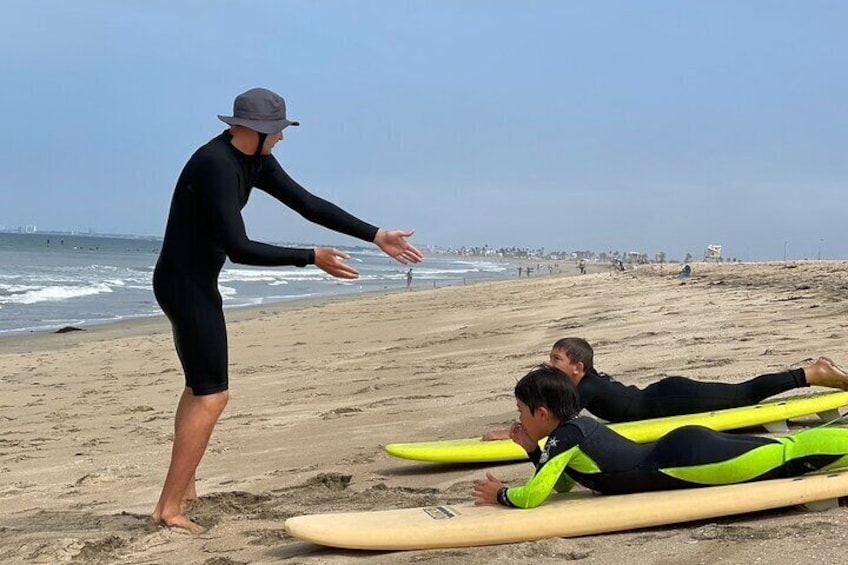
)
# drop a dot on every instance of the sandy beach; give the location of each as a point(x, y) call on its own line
point(318, 388)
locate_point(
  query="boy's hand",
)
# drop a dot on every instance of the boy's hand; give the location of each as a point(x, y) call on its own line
point(518, 434)
point(486, 490)
point(497, 434)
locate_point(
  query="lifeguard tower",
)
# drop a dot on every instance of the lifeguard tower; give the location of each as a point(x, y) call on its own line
point(713, 253)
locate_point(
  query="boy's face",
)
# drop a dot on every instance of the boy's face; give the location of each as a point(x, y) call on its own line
point(560, 360)
point(535, 424)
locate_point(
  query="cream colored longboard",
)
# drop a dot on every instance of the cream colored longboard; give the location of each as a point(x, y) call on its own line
point(567, 515)
point(772, 415)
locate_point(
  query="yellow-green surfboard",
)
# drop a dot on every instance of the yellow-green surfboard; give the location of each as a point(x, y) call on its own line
point(772, 415)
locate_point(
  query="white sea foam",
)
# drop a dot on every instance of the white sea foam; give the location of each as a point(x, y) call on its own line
point(289, 297)
point(227, 292)
point(54, 294)
point(485, 266)
point(243, 302)
point(272, 277)
point(16, 288)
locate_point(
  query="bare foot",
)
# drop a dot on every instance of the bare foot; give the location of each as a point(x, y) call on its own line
point(179, 521)
point(497, 434)
point(824, 372)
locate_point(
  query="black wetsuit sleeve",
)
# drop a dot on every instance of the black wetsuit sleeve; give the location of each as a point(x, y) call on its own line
point(222, 204)
point(276, 182)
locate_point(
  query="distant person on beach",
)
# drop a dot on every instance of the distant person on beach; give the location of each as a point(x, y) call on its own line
point(685, 272)
point(205, 227)
point(607, 398)
point(582, 266)
point(409, 279)
point(581, 450)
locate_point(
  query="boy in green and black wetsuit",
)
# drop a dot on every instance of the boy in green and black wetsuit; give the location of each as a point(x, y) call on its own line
point(582, 450)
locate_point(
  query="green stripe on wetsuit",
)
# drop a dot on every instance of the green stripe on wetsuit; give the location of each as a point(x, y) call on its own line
point(761, 460)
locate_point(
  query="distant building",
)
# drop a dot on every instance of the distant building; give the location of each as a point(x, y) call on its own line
point(713, 252)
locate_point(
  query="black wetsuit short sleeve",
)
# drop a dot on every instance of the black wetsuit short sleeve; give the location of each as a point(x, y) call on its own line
point(276, 182)
point(216, 182)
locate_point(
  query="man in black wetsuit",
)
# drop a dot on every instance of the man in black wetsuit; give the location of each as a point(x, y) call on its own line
point(607, 398)
point(205, 227)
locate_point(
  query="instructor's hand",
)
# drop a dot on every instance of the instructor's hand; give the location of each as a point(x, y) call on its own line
point(394, 244)
point(331, 262)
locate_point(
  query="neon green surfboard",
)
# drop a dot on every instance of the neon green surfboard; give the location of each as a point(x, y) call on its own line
point(771, 415)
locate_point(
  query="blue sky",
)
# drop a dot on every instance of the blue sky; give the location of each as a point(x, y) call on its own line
point(640, 125)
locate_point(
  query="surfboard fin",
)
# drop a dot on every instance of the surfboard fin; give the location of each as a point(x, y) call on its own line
point(830, 415)
point(821, 505)
point(779, 427)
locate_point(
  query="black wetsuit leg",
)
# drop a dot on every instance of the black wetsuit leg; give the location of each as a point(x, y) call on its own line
point(689, 446)
point(696, 445)
point(195, 311)
point(678, 395)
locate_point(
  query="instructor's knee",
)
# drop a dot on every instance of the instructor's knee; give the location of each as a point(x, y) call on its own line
point(217, 401)
point(224, 399)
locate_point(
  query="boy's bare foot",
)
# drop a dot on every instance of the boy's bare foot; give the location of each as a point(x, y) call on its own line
point(498, 434)
point(824, 372)
point(181, 522)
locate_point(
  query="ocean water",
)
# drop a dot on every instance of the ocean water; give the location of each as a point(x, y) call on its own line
point(50, 281)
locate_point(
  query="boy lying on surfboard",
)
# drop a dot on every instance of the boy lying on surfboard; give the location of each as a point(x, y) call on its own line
point(581, 450)
point(607, 398)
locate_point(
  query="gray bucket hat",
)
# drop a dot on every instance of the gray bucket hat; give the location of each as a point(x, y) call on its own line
point(260, 110)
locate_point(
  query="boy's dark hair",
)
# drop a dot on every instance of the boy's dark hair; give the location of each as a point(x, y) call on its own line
point(548, 386)
point(578, 351)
